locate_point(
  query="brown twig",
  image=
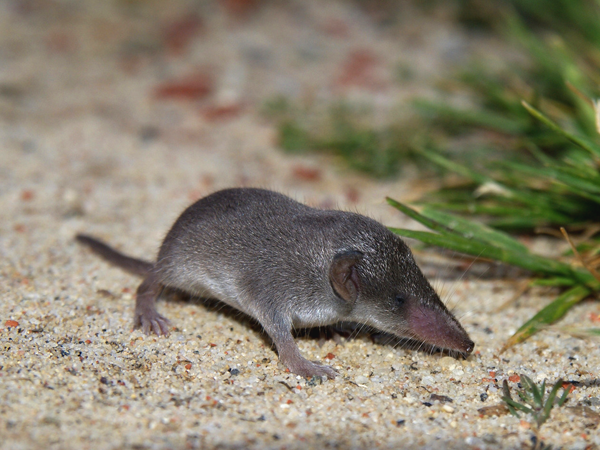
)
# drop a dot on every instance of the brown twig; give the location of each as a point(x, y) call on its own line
point(578, 256)
point(590, 231)
point(580, 94)
point(547, 230)
point(521, 289)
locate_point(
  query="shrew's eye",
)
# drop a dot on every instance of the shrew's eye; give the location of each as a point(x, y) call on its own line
point(400, 299)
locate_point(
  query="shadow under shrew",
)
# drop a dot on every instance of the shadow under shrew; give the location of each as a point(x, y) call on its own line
point(339, 332)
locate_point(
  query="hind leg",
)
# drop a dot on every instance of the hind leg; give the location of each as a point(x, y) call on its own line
point(146, 317)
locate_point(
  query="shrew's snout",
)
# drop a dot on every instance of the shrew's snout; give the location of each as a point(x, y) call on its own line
point(468, 346)
point(439, 327)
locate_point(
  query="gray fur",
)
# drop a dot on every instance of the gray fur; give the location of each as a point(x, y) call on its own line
point(289, 265)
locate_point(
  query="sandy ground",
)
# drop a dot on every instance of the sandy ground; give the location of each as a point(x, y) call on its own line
point(95, 137)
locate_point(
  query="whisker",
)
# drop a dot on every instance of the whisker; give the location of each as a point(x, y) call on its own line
point(460, 279)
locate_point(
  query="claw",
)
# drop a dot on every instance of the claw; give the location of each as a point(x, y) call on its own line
point(152, 323)
point(309, 369)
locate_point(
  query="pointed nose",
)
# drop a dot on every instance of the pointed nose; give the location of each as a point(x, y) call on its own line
point(468, 347)
point(438, 327)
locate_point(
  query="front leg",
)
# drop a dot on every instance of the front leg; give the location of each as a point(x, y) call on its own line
point(289, 353)
point(146, 317)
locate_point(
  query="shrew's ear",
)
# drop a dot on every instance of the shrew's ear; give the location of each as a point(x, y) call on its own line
point(344, 275)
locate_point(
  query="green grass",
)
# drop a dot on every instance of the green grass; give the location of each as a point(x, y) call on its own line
point(533, 401)
point(345, 132)
point(551, 163)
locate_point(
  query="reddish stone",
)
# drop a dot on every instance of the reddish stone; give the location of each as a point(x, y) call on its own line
point(226, 112)
point(192, 87)
point(358, 70)
point(352, 194)
point(306, 173)
point(239, 8)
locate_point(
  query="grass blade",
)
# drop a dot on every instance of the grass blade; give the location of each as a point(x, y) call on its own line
point(506, 389)
point(477, 248)
point(468, 228)
point(592, 331)
point(457, 168)
point(583, 143)
point(517, 405)
point(550, 403)
point(565, 394)
point(549, 314)
point(428, 222)
point(482, 118)
point(452, 242)
point(535, 394)
point(555, 282)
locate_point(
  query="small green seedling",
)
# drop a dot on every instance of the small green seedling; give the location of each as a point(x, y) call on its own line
point(532, 398)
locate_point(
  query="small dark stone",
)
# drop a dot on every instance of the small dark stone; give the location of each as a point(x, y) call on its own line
point(262, 418)
point(234, 372)
point(149, 133)
point(394, 396)
point(427, 404)
point(488, 330)
point(483, 397)
point(571, 358)
point(489, 438)
point(64, 353)
point(400, 422)
point(104, 380)
point(440, 398)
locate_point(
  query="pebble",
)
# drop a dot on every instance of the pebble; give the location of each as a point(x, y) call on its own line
point(447, 363)
point(361, 379)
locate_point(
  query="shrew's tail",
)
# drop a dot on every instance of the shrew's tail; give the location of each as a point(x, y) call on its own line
point(131, 265)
